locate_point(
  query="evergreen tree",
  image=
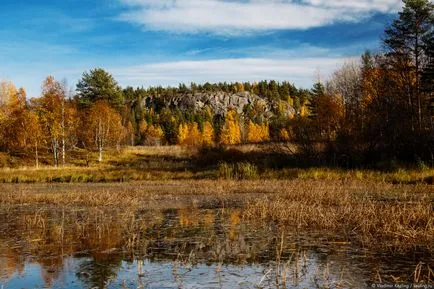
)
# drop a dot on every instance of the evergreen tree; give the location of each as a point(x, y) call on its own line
point(427, 80)
point(406, 43)
point(99, 85)
point(317, 91)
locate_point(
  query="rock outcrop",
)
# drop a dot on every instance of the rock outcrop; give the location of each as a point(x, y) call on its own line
point(219, 102)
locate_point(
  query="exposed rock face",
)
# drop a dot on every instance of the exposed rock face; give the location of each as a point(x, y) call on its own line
point(219, 102)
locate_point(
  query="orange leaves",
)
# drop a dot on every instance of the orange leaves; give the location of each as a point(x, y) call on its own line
point(330, 115)
point(11, 99)
point(257, 133)
point(50, 107)
point(153, 135)
point(369, 83)
point(15, 118)
point(103, 126)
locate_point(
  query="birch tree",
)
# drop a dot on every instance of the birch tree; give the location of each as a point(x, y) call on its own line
point(51, 109)
point(102, 127)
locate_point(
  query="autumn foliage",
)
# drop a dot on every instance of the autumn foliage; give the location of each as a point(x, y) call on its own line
point(257, 133)
point(189, 134)
point(231, 131)
point(376, 110)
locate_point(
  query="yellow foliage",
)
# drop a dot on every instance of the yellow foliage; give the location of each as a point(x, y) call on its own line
point(239, 87)
point(257, 133)
point(189, 134)
point(17, 122)
point(7, 89)
point(208, 112)
point(103, 125)
point(291, 101)
point(370, 78)
point(231, 132)
point(207, 134)
point(155, 131)
point(194, 135)
point(182, 133)
point(284, 135)
point(285, 106)
point(304, 111)
point(143, 127)
point(282, 106)
point(153, 134)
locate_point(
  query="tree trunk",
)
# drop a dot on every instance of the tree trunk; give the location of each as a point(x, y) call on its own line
point(55, 152)
point(416, 51)
point(63, 133)
point(36, 156)
point(63, 152)
point(99, 151)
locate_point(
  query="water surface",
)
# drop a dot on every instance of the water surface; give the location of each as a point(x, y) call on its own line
point(51, 247)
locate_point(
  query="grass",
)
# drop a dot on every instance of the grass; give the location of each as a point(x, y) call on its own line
point(238, 204)
point(386, 216)
point(176, 163)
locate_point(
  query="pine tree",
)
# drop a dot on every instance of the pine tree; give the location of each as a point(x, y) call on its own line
point(97, 84)
point(407, 41)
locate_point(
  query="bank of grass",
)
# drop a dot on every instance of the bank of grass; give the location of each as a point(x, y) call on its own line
point(385, 217)
point(175, 162)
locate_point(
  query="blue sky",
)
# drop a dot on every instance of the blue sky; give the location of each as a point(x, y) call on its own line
point(165, 42)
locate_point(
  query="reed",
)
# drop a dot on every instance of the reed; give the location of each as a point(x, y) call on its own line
point(387, 216)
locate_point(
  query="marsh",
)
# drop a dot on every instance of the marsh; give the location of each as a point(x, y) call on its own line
point(216, 234)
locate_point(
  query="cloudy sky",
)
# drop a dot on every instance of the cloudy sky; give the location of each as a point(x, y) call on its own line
point(153, 42)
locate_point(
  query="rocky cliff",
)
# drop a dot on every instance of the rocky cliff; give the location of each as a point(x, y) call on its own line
point(219, 102)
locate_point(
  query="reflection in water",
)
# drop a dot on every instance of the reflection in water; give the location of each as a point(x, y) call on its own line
point(181, 248)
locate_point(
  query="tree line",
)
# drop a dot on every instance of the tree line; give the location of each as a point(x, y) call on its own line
point(377, 109)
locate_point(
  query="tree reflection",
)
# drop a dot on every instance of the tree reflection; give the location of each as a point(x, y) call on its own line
point(102, 239)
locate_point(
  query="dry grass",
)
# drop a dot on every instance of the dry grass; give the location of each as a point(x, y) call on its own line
point(175, 163)
point(224, 221)
point(386, 216)
point(389, 216)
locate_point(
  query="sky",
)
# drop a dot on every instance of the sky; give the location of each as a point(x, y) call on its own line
point(167, 42)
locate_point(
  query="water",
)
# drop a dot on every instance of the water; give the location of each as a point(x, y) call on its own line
point(183, 248)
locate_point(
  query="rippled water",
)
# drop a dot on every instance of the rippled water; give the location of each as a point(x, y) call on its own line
point(182, 248)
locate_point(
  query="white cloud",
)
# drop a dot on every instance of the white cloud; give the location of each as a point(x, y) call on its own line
point(299, 71)
point(235, 17)
point(384, 6)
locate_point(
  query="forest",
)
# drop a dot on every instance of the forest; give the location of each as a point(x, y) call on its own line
point(378, 109)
